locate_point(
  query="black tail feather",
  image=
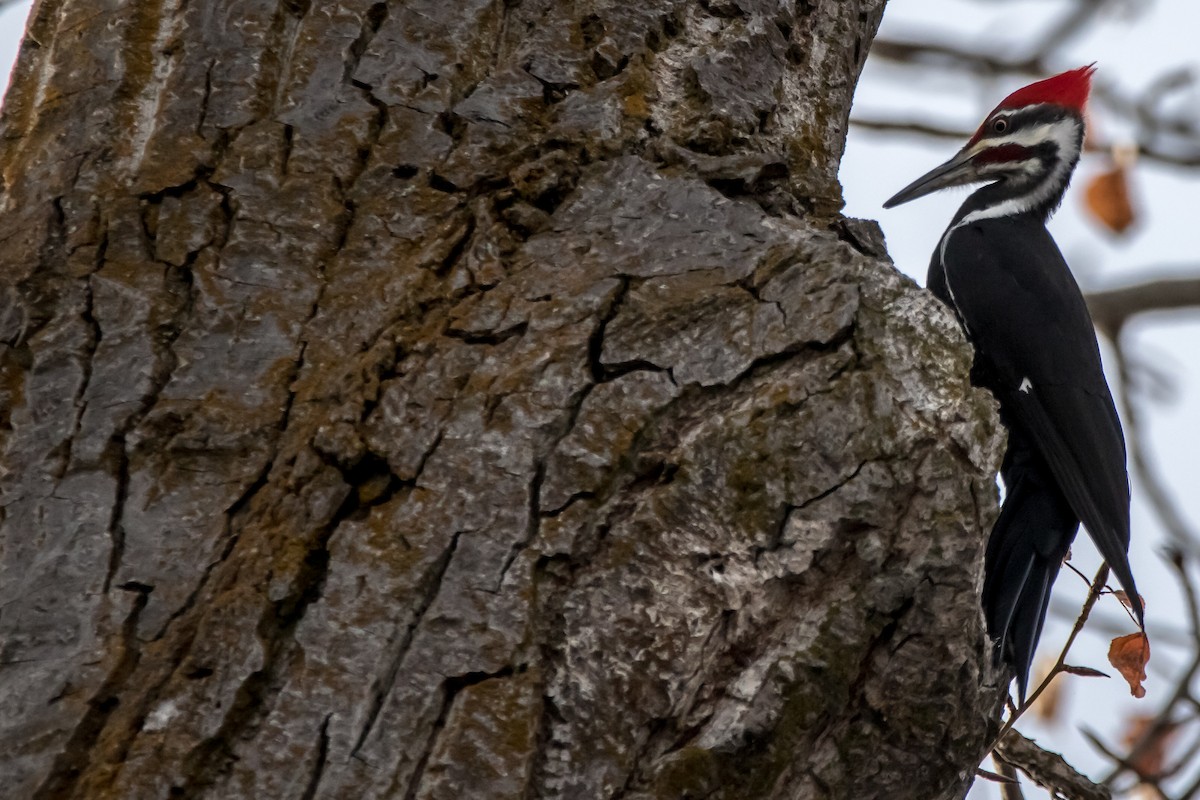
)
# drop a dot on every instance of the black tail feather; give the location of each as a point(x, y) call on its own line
point(1024, 554)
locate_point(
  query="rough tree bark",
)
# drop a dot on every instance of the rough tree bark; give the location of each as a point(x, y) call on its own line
point(472, 400)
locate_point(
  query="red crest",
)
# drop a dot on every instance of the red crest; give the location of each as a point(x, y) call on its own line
point(1069, 89)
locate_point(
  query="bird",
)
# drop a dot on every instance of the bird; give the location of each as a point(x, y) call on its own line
point(1002, 275)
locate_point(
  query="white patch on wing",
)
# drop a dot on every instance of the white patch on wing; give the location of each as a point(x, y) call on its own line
point(1025, 386)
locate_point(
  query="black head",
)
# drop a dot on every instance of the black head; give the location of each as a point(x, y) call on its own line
point(1027, 147)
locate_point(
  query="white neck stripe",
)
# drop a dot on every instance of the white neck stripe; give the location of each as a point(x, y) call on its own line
point(1065, 134)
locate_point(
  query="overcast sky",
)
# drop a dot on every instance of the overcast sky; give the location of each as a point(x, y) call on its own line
point(1132, 49)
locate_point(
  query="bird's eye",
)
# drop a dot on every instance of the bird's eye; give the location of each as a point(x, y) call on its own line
point(999, 125)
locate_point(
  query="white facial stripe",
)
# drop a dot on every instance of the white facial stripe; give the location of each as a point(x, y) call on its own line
point(1065, 134)
point(1029, 166)
point(1029, 137)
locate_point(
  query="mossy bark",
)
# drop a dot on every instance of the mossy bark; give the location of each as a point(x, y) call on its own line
point(484, 399)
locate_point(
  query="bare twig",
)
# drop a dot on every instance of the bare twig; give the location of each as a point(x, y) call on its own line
point(1076, 19)
point(919, 127)
point(1149, 781)
point(1093, 595)
point(1112, 308)
point(1185, 758)
point(1048, 770)
point(1147, 150)
point(1010, 787)
point(1109, 624)
point(996, 777)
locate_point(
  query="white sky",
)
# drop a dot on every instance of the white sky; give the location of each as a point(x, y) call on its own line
point(1132, 49)
point(12, 25)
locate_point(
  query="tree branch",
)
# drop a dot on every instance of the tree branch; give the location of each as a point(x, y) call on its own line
point(1112, 308)
point(1048, 770)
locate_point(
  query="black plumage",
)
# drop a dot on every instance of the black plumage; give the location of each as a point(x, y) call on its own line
point(1036, 351)
point(1002, 274)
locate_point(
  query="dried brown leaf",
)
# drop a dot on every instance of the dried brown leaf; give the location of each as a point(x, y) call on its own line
point(1107, 199)
point(1130, 654)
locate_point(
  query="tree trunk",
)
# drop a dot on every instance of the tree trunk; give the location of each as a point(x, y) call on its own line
point(472, 400)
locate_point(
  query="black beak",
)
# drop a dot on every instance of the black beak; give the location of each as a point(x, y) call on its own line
point(958, 171)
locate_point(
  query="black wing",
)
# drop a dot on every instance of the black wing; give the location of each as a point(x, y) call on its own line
point(1027, 319)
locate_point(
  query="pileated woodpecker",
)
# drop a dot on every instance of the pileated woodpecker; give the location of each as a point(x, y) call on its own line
point(1003, 276)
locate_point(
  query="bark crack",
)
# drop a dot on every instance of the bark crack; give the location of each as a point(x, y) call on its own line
point(231, 537)
point(371, 23)
point(115, 529)
point(205, 98)
point(87, 356)
point(76, 754)
point(276, 628)
point(289, 24)
point(318, 768)
point(574, 406)
point(600, 372)
point(382, 684)
point(450, 689)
